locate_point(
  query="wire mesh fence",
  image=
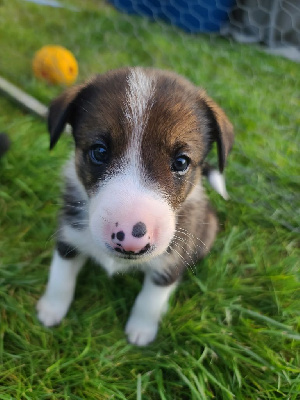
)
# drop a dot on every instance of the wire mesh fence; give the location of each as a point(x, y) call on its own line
point(148, 32)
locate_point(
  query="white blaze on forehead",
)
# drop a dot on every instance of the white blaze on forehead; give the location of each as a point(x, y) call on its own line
point(138, 103)
point(139, 100)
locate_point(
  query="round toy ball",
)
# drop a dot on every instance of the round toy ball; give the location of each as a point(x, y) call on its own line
point(56, 65)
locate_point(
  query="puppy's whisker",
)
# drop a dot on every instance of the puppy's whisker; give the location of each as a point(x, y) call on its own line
point(183, 259)
point(54, 235)
point(68, 205)
point(192, 265)
point(79, 223)
point(186, 235)
point(190, 255)
point(190, 234)
point(185, 242)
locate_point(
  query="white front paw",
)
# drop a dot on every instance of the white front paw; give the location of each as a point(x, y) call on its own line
point(51, 311)
point(140, 329)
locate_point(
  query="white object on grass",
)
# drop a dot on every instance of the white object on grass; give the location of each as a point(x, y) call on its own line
point(51, 3)
point(27, 101)
point(23, 98)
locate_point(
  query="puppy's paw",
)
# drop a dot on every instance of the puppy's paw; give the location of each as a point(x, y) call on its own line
point(141, 330)
point(51, 311)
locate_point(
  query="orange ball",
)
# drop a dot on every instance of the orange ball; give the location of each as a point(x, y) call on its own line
point(56, 65)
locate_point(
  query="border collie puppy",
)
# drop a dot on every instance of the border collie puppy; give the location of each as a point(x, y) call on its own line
point(133, 195)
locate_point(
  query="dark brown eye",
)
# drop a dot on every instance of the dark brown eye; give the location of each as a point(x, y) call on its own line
point(99, 154)
point(181, 164)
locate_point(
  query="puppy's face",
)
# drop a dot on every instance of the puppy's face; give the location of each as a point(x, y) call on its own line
point(141, 137)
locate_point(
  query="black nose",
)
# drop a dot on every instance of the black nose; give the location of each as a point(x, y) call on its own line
point(139, 230)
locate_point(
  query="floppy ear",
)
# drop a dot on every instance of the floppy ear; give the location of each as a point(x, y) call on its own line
point(220, 129)
point(60, 111)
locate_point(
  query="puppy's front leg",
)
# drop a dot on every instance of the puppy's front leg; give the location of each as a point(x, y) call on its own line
point(54, 304)
point(150, 304)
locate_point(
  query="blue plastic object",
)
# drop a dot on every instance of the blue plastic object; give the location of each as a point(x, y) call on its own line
point(191, 15)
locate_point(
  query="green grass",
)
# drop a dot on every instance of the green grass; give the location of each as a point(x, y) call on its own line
point(233, 327)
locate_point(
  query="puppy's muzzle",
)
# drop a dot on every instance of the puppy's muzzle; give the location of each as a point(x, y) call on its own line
point(131, 240)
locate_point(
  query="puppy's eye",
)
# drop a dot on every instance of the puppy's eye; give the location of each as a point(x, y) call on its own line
point(181, 164)
point(98, 154)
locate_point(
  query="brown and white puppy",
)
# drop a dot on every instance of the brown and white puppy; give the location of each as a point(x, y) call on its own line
point(133, 195)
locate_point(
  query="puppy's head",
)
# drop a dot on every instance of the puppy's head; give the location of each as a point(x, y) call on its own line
point(141, 137)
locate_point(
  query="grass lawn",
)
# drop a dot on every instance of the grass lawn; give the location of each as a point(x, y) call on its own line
point(233, 327)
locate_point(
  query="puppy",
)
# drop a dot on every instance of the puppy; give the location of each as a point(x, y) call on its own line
point(133, 195)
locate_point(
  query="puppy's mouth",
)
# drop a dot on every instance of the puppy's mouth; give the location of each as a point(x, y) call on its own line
point(119, 252)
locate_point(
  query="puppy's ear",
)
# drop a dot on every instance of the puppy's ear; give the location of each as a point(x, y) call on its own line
point(60, 112)
point(220, 129)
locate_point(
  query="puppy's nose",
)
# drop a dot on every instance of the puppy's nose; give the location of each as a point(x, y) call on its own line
point(131, 240)
point(139, 230)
